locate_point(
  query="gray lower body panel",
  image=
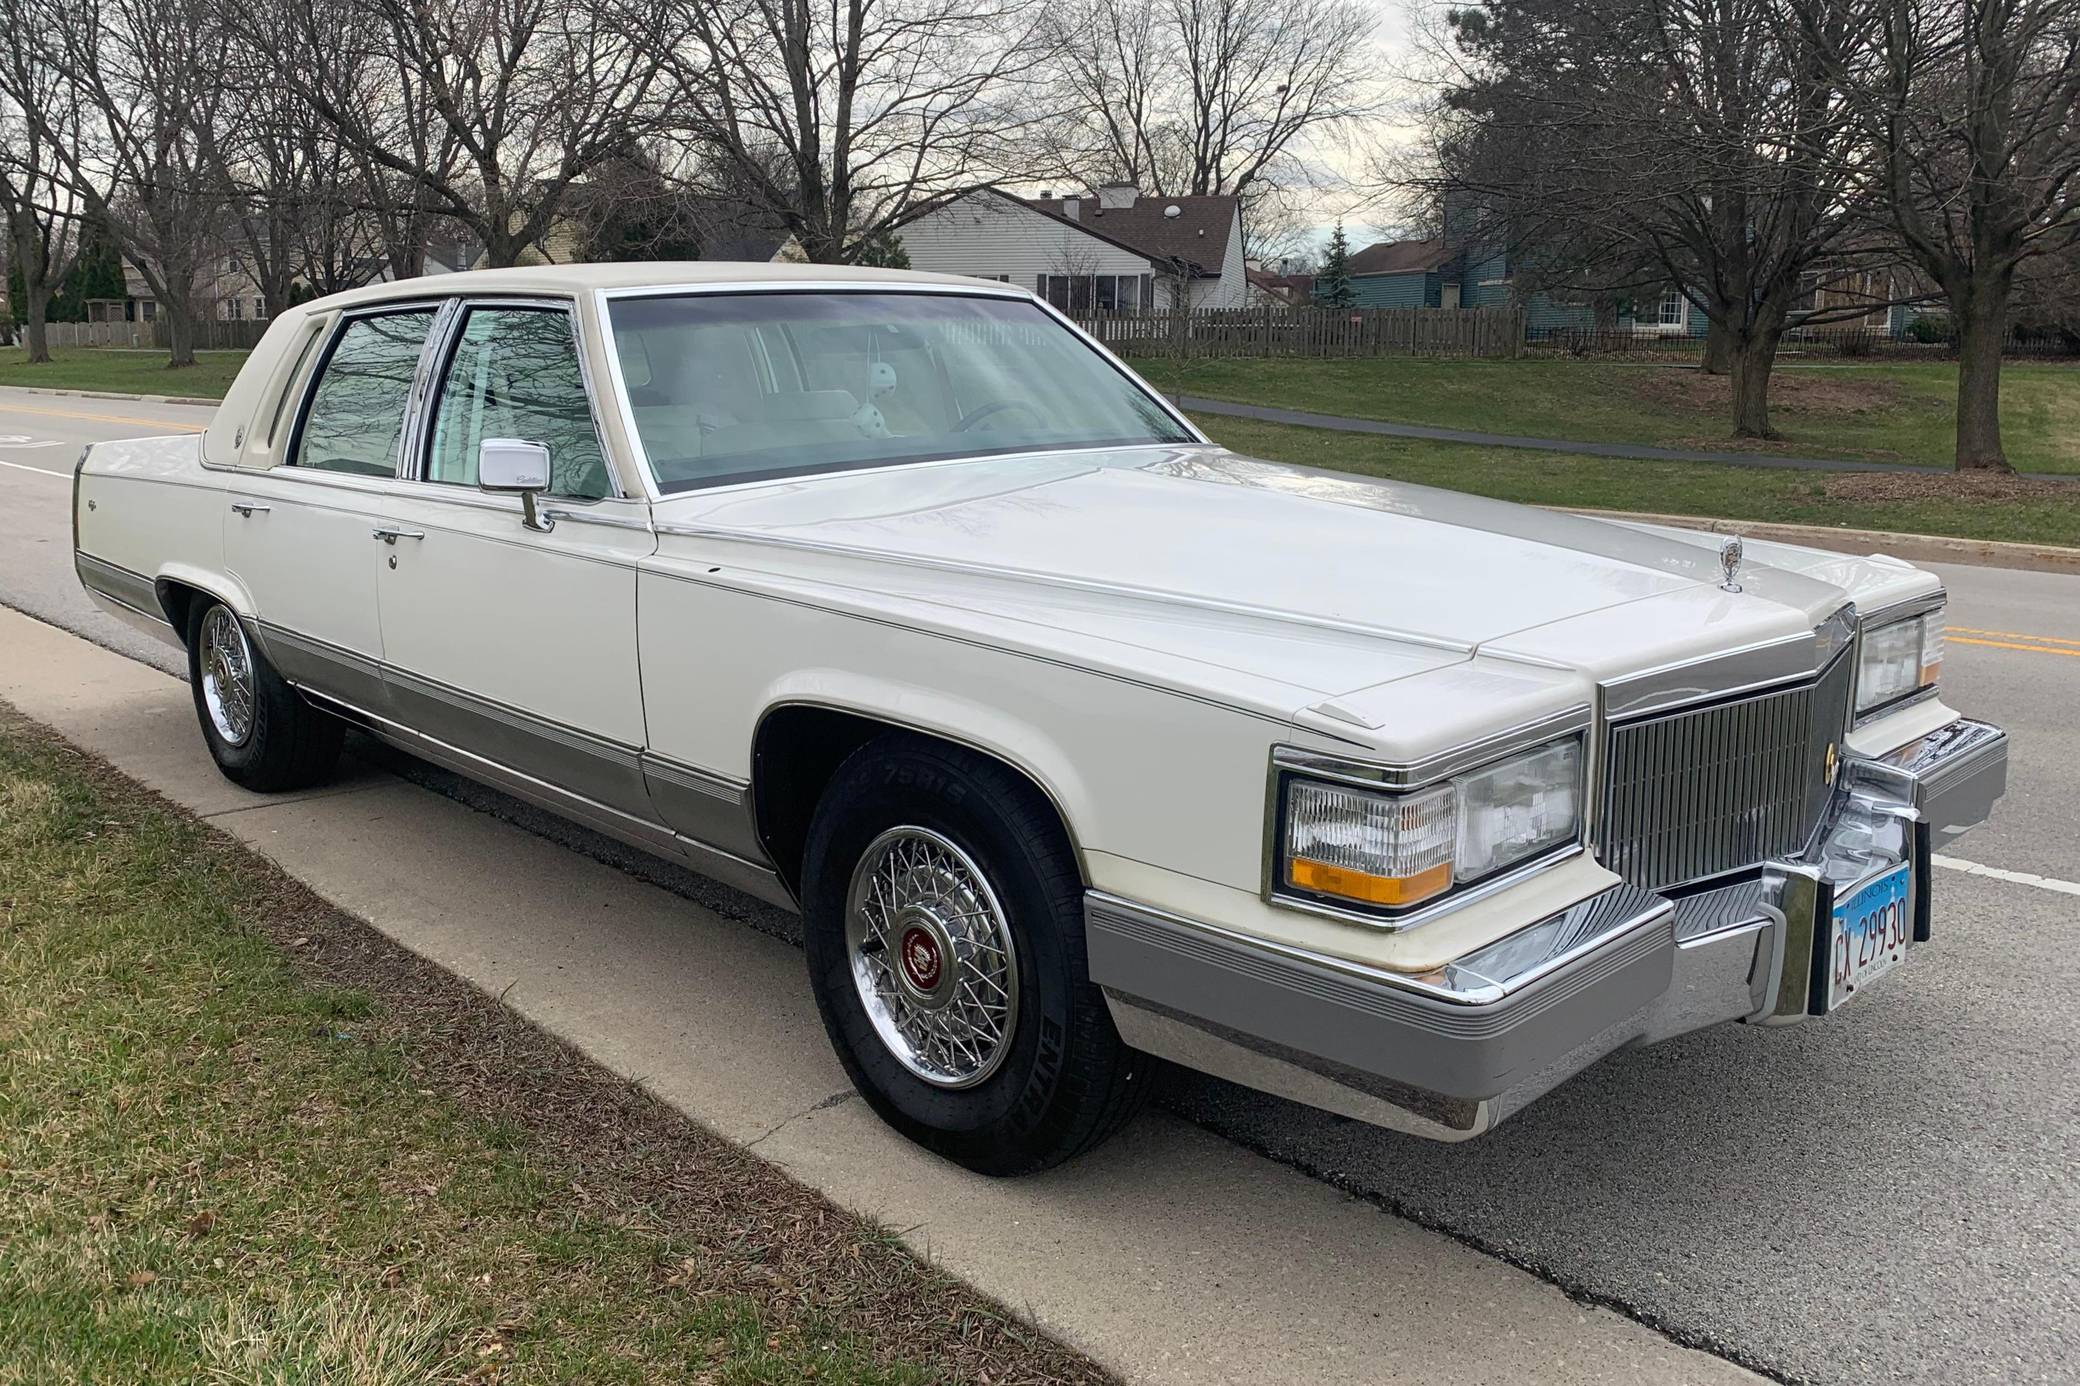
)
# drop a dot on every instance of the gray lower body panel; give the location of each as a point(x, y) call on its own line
point(1448, 1054)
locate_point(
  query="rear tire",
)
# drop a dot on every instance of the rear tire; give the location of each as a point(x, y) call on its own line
point(259, 730)
point(972, 1026)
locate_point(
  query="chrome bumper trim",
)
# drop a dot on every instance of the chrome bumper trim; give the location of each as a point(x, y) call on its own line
point(1952, 777)
point(1424, 1054)
point(1449, 1053)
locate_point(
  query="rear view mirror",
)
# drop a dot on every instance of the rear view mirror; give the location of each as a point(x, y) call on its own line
point(514, 466)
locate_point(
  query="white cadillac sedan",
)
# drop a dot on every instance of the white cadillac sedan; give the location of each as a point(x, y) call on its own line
point(1075, 738)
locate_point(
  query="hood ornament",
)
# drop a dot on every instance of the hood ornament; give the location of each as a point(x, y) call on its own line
point(1730, 564)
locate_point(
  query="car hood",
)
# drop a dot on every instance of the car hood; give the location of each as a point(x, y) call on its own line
point(1356, 581)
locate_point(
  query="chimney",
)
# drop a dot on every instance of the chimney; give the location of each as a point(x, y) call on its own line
point(1120, 195)
point(1071, 206)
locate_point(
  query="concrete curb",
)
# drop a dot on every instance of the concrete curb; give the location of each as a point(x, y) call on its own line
point(111, 394)
point(1170, 1256)
point(1921, 548)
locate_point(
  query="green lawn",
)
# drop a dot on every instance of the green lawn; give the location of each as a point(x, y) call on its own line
point(1675, 488)
point(123, 372)
point(1888, 412)
point(1884, 412)
point(224, 1159)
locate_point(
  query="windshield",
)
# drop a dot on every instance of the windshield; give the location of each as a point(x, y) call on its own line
point(739, 387)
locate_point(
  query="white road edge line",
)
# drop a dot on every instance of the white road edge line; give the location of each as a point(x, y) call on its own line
point(25, 467)
point(1972, 868)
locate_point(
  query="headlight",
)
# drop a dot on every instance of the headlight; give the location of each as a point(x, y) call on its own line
point(1388, 850)
point(1899, 658)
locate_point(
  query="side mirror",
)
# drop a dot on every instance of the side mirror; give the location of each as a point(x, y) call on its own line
point(513, 466)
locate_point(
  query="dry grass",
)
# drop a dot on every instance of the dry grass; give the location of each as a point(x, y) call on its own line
point(245, 1138)
point(1962, 488)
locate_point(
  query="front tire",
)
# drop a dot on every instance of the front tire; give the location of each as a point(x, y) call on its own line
point(943, 923)
point(260, 732)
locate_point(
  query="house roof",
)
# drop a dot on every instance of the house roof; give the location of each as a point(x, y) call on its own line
point(1401, 257)
point(1197, 235)
point(1293, 288)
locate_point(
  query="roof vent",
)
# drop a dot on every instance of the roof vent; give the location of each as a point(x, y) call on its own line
point(1173, 210)
point(1046, 193)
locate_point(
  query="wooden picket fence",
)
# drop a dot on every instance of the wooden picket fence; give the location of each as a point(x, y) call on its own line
point(1281, 331)
point(210, 334)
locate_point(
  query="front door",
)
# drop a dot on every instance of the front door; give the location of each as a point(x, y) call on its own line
point(515, 645)
point(299, 535)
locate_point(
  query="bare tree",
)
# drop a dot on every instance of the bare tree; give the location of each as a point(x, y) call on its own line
point(846, 121)
point(1974, 114)
point(484, 112)
point(295, 197)
point(1622, 145)
point(35, 203)
point(148, 77)
point(1184, 97)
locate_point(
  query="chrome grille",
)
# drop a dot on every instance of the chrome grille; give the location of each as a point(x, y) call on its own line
point(1704, 790)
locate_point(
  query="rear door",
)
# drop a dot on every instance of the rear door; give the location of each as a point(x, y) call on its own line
point(300, 535)
point(510, 643)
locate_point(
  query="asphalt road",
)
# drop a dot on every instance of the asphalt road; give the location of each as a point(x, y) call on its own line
point(1888, 1195)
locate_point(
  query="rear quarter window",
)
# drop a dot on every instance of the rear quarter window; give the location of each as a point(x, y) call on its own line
point(355, 421)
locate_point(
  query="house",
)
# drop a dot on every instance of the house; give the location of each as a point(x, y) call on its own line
point(1115, 249)
point(1406, 274)
point(1286, 290)
point(225, 291)
point(1488, 275)
point(667, 225)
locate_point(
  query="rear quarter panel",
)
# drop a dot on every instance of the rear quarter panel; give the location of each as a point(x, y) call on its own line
point(147, 508)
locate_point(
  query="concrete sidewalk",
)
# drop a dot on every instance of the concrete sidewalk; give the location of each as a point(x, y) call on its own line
point(1170, 1255)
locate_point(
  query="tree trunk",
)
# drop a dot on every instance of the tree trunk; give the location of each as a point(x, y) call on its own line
point(1752, 362)
point(36, 325)
point(1982, 326)
point(1718, 350)
point(180, 336)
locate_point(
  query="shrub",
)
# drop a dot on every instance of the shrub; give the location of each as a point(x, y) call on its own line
point(1929, 329)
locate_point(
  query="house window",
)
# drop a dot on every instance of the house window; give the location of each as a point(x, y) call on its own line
point(1109, 293)
point(259, 309)
point(1675, 309)
point(149, 308)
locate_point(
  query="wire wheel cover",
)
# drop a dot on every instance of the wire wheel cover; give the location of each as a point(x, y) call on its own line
point(932, 957)
point(227, 676)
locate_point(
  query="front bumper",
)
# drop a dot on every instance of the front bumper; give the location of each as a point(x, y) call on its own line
point(1447, 1054)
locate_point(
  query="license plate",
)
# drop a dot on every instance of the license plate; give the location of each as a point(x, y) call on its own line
point(1872, 926)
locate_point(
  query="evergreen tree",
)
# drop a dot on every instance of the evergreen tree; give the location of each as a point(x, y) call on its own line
point(1332, 287)
point(98, 273)
point(883, 250)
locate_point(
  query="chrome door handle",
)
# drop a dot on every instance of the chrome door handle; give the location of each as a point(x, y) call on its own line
point(391, 536)
point(249, 508)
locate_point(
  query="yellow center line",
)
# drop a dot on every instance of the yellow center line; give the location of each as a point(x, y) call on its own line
point(2013, 635)
point(100, 418)
point(2012, 645)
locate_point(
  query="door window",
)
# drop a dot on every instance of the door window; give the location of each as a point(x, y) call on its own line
point(357, 410)
point(515, 374)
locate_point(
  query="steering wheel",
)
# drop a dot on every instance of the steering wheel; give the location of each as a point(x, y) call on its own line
point(976, 416)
